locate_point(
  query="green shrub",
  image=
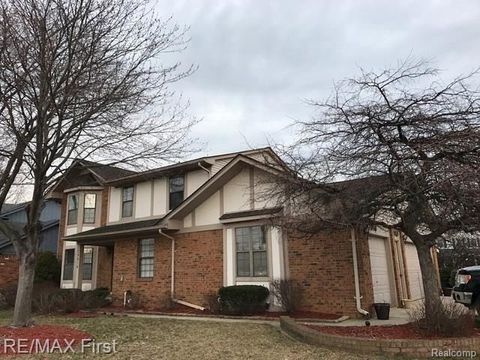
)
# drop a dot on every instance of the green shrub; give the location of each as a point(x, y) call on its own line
point(8, 295)
point(48, 268)
point(243, 299)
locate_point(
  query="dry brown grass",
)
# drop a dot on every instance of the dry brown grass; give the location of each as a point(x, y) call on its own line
point(141, 338)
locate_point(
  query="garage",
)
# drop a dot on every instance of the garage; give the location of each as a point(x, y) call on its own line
point(414, 272)
point(380, 268)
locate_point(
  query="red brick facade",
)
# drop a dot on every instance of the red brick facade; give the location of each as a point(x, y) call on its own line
point(198, 269)
point(8, 270)
point(323, 265)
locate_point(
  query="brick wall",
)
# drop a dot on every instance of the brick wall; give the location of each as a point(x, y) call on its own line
point(8, 270)
point(323, 265)
point(198, 269)
point(153, 293)
point(198, 265)
point(104, 269)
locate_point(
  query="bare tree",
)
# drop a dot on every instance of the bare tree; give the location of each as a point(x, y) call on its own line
point(85, 79)
point(397, 148)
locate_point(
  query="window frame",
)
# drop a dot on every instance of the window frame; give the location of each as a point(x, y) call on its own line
point(127, 201)
point(170, 192)
point(140, 258)
point(94, 208)
point(70, 219)
point(251, 252)
point(72, 264)
point(90, 264)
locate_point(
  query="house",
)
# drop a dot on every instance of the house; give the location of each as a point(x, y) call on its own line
point(183, 231)
point(16, 214)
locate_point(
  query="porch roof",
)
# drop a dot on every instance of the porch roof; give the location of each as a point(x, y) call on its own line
point(108, 232)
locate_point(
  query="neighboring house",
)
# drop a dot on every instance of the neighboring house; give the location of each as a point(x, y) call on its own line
point(183, 231)
point(49, 218)
point(17, 216)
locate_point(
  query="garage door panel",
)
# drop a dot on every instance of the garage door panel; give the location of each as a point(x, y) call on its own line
point(414, 272)
point(380, 270)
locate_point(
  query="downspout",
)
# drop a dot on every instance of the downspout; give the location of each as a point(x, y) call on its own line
point(358, 297)
point(172, 283)
point(204, 168)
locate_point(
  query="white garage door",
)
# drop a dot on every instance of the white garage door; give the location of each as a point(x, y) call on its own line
point(380, 269)
point(414, 272)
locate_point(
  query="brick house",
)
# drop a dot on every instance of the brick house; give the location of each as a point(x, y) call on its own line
point(183, 231)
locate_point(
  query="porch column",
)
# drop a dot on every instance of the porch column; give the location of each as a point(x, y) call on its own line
point(79, 267)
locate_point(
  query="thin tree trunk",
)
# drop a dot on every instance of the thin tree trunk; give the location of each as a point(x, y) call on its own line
point(22, 315)
point(431, 288)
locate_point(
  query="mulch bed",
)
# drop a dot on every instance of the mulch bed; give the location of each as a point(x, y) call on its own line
point(32, 339)
point(406, 331)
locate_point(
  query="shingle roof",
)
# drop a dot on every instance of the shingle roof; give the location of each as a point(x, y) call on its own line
point(117, 228)
point(4, 241)
point(107, 172)
point(9, 208)
point(247, 213)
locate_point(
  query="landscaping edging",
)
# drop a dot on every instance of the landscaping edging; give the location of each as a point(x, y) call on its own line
point(390, 347)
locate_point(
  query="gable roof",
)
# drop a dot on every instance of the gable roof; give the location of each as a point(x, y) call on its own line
point(214, 183)
point(106, 172)
point(8, 209)
point(4, 241)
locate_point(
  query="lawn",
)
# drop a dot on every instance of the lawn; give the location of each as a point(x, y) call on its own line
point(141, 338)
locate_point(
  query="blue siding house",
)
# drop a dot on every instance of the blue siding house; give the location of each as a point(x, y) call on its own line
point(49, 218)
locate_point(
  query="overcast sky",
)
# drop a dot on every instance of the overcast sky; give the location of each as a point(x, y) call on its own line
point(259, 60)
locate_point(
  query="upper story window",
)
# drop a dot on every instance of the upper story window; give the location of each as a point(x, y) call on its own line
point(251, 251)
point(89, 204)
point(176, 190)
point(72, 209)
point(127, 201)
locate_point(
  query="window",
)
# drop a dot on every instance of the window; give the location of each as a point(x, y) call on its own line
point(145, 258)
point(87, 264)
point(72, 209)
point(89, 203)
point(177, 185)
point(68, 264)
point(251, 248)
point(127, 202)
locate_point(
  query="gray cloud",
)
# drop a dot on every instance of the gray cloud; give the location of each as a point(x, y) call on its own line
point(259, 60)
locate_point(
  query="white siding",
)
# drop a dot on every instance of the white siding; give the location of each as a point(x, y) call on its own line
point(414, 272)
point(262, 196)
point(209, 211)
point(236, 193)
point(277, 253)
point(195, 179)
point(218, 165)
point(71, 230)
point(114, 204)
point(143, 199)
point(380, 269)
point(229, 258)
point(188, 220)
point(160, 196)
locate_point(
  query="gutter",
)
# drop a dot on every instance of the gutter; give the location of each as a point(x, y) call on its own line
point(172, 283)
point(358, 297)
point(204, 168)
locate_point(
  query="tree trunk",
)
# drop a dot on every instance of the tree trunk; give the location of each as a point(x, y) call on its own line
point(22, 315)
point(431, 288)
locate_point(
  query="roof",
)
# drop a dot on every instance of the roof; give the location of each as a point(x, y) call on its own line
point(12, 208)
point(4, 241)
point(106, 172)
point(117, 229)
point(248, 213)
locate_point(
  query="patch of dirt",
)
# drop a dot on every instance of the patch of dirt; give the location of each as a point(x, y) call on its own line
point(406, 331)
point(33, 339)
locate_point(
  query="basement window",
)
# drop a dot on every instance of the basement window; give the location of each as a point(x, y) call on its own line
point(145, 258)
point(251, 251)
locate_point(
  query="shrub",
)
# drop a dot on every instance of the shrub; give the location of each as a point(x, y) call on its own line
point(48, 268)
point(8, 295)
point(451, 320)
point(212, 303)
point(243, 299)
point(288, 293)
